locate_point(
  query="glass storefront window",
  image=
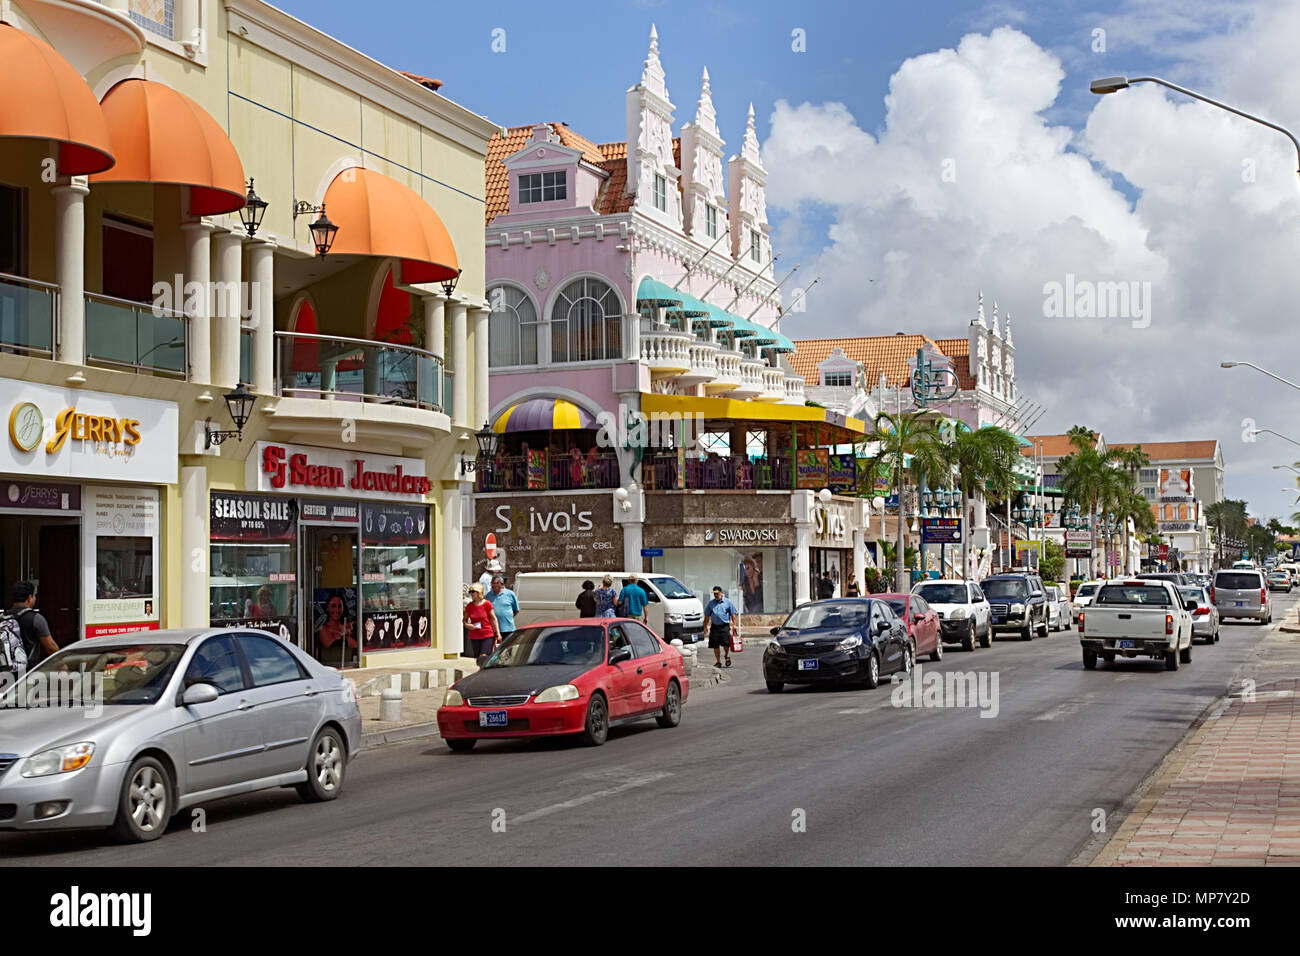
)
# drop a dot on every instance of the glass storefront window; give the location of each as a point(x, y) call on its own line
point(123, 567)
point(394, 577)
point(253, 580)
point(757, 580)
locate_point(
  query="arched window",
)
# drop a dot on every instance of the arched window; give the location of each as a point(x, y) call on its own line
point(585, 323)
point(512, 327)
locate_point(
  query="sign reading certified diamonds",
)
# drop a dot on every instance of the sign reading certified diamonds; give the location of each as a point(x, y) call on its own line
point(56, 432)
point(274, 466)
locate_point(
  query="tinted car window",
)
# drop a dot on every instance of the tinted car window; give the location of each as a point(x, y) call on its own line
point(851, 614)
point(268, 662)
point(551, 645)
point(643, 642)
point(943, 593)
point(1149, 595)
point(1239, 580)
point(898, 606)
point(217, 663)
point(1010, 588)
point(618, 639)
point(919, 606)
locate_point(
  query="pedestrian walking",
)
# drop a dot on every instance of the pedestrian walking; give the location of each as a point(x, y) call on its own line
point(825, 587)
point(481, 621)
point(851, 589)
point(632, 599)
point(606, 598)
point(505, 604)
point(724, 625)
point(485, 579)
point(586, 603)
point(33, 629)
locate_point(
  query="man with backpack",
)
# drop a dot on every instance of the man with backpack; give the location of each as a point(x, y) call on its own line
point(30, 626)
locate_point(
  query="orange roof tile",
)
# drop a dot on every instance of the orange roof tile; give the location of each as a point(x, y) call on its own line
point(1050, 446)
point(876, 353)
point(1174, 450)
point(497, 191)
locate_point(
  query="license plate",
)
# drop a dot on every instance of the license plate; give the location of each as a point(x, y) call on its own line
point(493, 718)
point(1126, 644)
point(1239, 604)
point(808, 664)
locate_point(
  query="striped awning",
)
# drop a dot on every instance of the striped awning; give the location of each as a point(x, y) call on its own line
point(543, 414)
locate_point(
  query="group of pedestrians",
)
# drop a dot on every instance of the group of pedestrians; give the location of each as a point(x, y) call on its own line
point(490, 614)
point(605, 601)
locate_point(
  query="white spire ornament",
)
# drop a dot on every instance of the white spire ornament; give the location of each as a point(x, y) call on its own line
point(979, 312)
point(997, 334)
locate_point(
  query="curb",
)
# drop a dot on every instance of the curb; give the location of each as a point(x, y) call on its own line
point(377, 738)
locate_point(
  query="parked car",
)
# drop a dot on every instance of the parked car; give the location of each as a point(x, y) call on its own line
point(1279, 581)
point(1060, 616)
point(964, 613)
point(187, 717)
point(922, 623)
point(558, 678)
point(1084, 596)
point(1018, 603)
point(1242, 593)
point(1138, 618)
point(672, 609)
point(1205, 618)
point(849, 639)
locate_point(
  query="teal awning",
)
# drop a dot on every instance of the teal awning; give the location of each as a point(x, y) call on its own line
point(653, 293)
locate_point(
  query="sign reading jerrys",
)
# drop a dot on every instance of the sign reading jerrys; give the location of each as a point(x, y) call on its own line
point(273, 466)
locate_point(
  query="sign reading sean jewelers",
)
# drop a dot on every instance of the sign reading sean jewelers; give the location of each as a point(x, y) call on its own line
point(69, 433)
point(273, 466)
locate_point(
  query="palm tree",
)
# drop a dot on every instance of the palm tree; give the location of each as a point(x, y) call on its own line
point(1134, 460)
point(1228, 517)
point(1084, 482)
point(1134, 507)
point(1115, 488)
point(984, 458)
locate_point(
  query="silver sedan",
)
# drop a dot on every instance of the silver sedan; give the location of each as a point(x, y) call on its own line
point(124, 732)
point(1205, 619)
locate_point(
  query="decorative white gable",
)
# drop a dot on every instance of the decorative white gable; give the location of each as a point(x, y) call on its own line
point(747, 195)
point(837, 361)
point(650, 141)
point(702, 181)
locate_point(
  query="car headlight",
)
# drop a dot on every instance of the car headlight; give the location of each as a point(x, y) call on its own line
point(676, 618)
point(851, 642)
point(775, 647)
point(453, 699)
point(58, 760)
point(1017, 609)
point(958, 613)
point(553, 695)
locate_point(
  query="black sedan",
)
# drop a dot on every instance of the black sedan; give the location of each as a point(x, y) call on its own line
point(850, 639)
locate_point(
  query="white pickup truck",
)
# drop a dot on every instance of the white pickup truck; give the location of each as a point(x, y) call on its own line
point(1142, 618)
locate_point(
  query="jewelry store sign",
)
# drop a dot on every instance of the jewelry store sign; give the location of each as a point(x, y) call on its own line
point(274, 466)
point(69, 433)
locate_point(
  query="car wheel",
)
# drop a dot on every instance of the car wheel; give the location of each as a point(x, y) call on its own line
point(144, 805)
point(1044, 630)
point(326, 763)
point(1089, 660)
point(872, 679)
point(775, 687)
point(968, 639)
point(461, 745)
point(1171, 660)
point(596, 728)
point(937, 654)
point(672, 712)
point(987, 639)
point(1027, 634)
point(909, 657)
point(1216, 635)
point(1185, 655)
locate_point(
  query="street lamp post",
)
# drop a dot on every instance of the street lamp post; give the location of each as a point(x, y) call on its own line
point(1260, 431)
point(1284, 381)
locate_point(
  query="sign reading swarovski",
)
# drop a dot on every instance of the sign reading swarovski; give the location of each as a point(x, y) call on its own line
point(273, 466)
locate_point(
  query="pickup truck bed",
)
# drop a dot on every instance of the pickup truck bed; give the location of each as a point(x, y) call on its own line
point(1141, 618)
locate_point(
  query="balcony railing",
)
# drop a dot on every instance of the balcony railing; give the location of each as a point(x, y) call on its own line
point(773, 384)
point(666, 472)
point(751, 378)
point(559, 474)
point(728, 376)
point(794, 390)
point(136, 336)
point(666, 351)
point(27, 310)
point(325, 366)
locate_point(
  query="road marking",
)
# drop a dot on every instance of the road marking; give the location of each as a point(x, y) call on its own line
point(1066, 709)
point(641, 780)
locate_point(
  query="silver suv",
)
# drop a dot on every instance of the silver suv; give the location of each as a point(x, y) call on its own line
point(1241, 592)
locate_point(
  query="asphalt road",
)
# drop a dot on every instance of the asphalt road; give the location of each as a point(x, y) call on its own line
point(872, 783)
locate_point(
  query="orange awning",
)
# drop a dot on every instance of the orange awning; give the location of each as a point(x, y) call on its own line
point(42, 96)
point(162, 136)
point(378, 216)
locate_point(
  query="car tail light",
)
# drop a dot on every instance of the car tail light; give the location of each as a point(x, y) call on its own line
point(1263, 596)
point(1080, 622)
point(1169, 624)
point(1200, 611)
point(1211, 593)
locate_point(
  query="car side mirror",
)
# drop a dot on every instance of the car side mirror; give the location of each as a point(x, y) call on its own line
point(774, 631)
point(882, 627)
point(201, 693)
point(619, 655)
point(1190, 605)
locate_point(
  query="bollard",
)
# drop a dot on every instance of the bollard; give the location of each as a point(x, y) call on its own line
point(390, 705)
point(688, 660)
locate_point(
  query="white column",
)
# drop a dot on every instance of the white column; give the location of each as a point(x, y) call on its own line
point(460, 366)
point(802, 541)
point(452, 639)
point(435, 341)
point(70, 269)
point(261, 301)
point(482, 395)
point(193, 568)
point(227, 300)
point(860, 558)
point(197, 237)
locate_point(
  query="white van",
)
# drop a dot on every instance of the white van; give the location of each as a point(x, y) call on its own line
point(673, 611)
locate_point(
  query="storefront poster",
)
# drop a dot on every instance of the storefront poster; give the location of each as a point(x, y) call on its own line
point(284, 627)
point(536, 462)
point(843, 474)
point(240, 517)
point(941, 530)
point(322, 511)
point(120, 548)
point(813, 468)
point(334, 616)
point(386, 630)
point(749, 574)
point(40, 496)
point(394, 524)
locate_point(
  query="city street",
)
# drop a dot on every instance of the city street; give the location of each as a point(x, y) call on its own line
point(879, 785)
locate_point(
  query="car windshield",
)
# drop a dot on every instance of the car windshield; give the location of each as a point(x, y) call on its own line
point(1149, 595)
point(671, 588)
point(1086, 590)
point(1240, 581)
point(1277, 576)
point(943, 593)
point(1011, 588)
point(1193, 593)
point(812, 616)
point(551, 645)
point(135, 674)
point(899, 605)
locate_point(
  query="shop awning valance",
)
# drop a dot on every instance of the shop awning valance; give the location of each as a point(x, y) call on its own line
point(164, 137)
point(652, 293)
point(378, 216)
point(713, 407)
point(42, 96)
point(543, 414)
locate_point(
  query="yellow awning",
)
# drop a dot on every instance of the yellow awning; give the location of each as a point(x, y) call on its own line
point(720, 407)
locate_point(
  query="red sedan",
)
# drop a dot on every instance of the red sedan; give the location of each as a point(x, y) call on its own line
point(922, 623)
point(567, 677)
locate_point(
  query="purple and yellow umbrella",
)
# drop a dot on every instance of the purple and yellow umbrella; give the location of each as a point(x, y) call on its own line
point(543, 414)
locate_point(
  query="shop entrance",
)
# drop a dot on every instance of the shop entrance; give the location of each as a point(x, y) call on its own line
point(329, 556)
point(48, 552)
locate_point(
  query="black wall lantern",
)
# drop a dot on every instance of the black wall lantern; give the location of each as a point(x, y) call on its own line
point(322, 230)
point(240, 404)
point(253, 211)
point(449, 285)
point(487, 448)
